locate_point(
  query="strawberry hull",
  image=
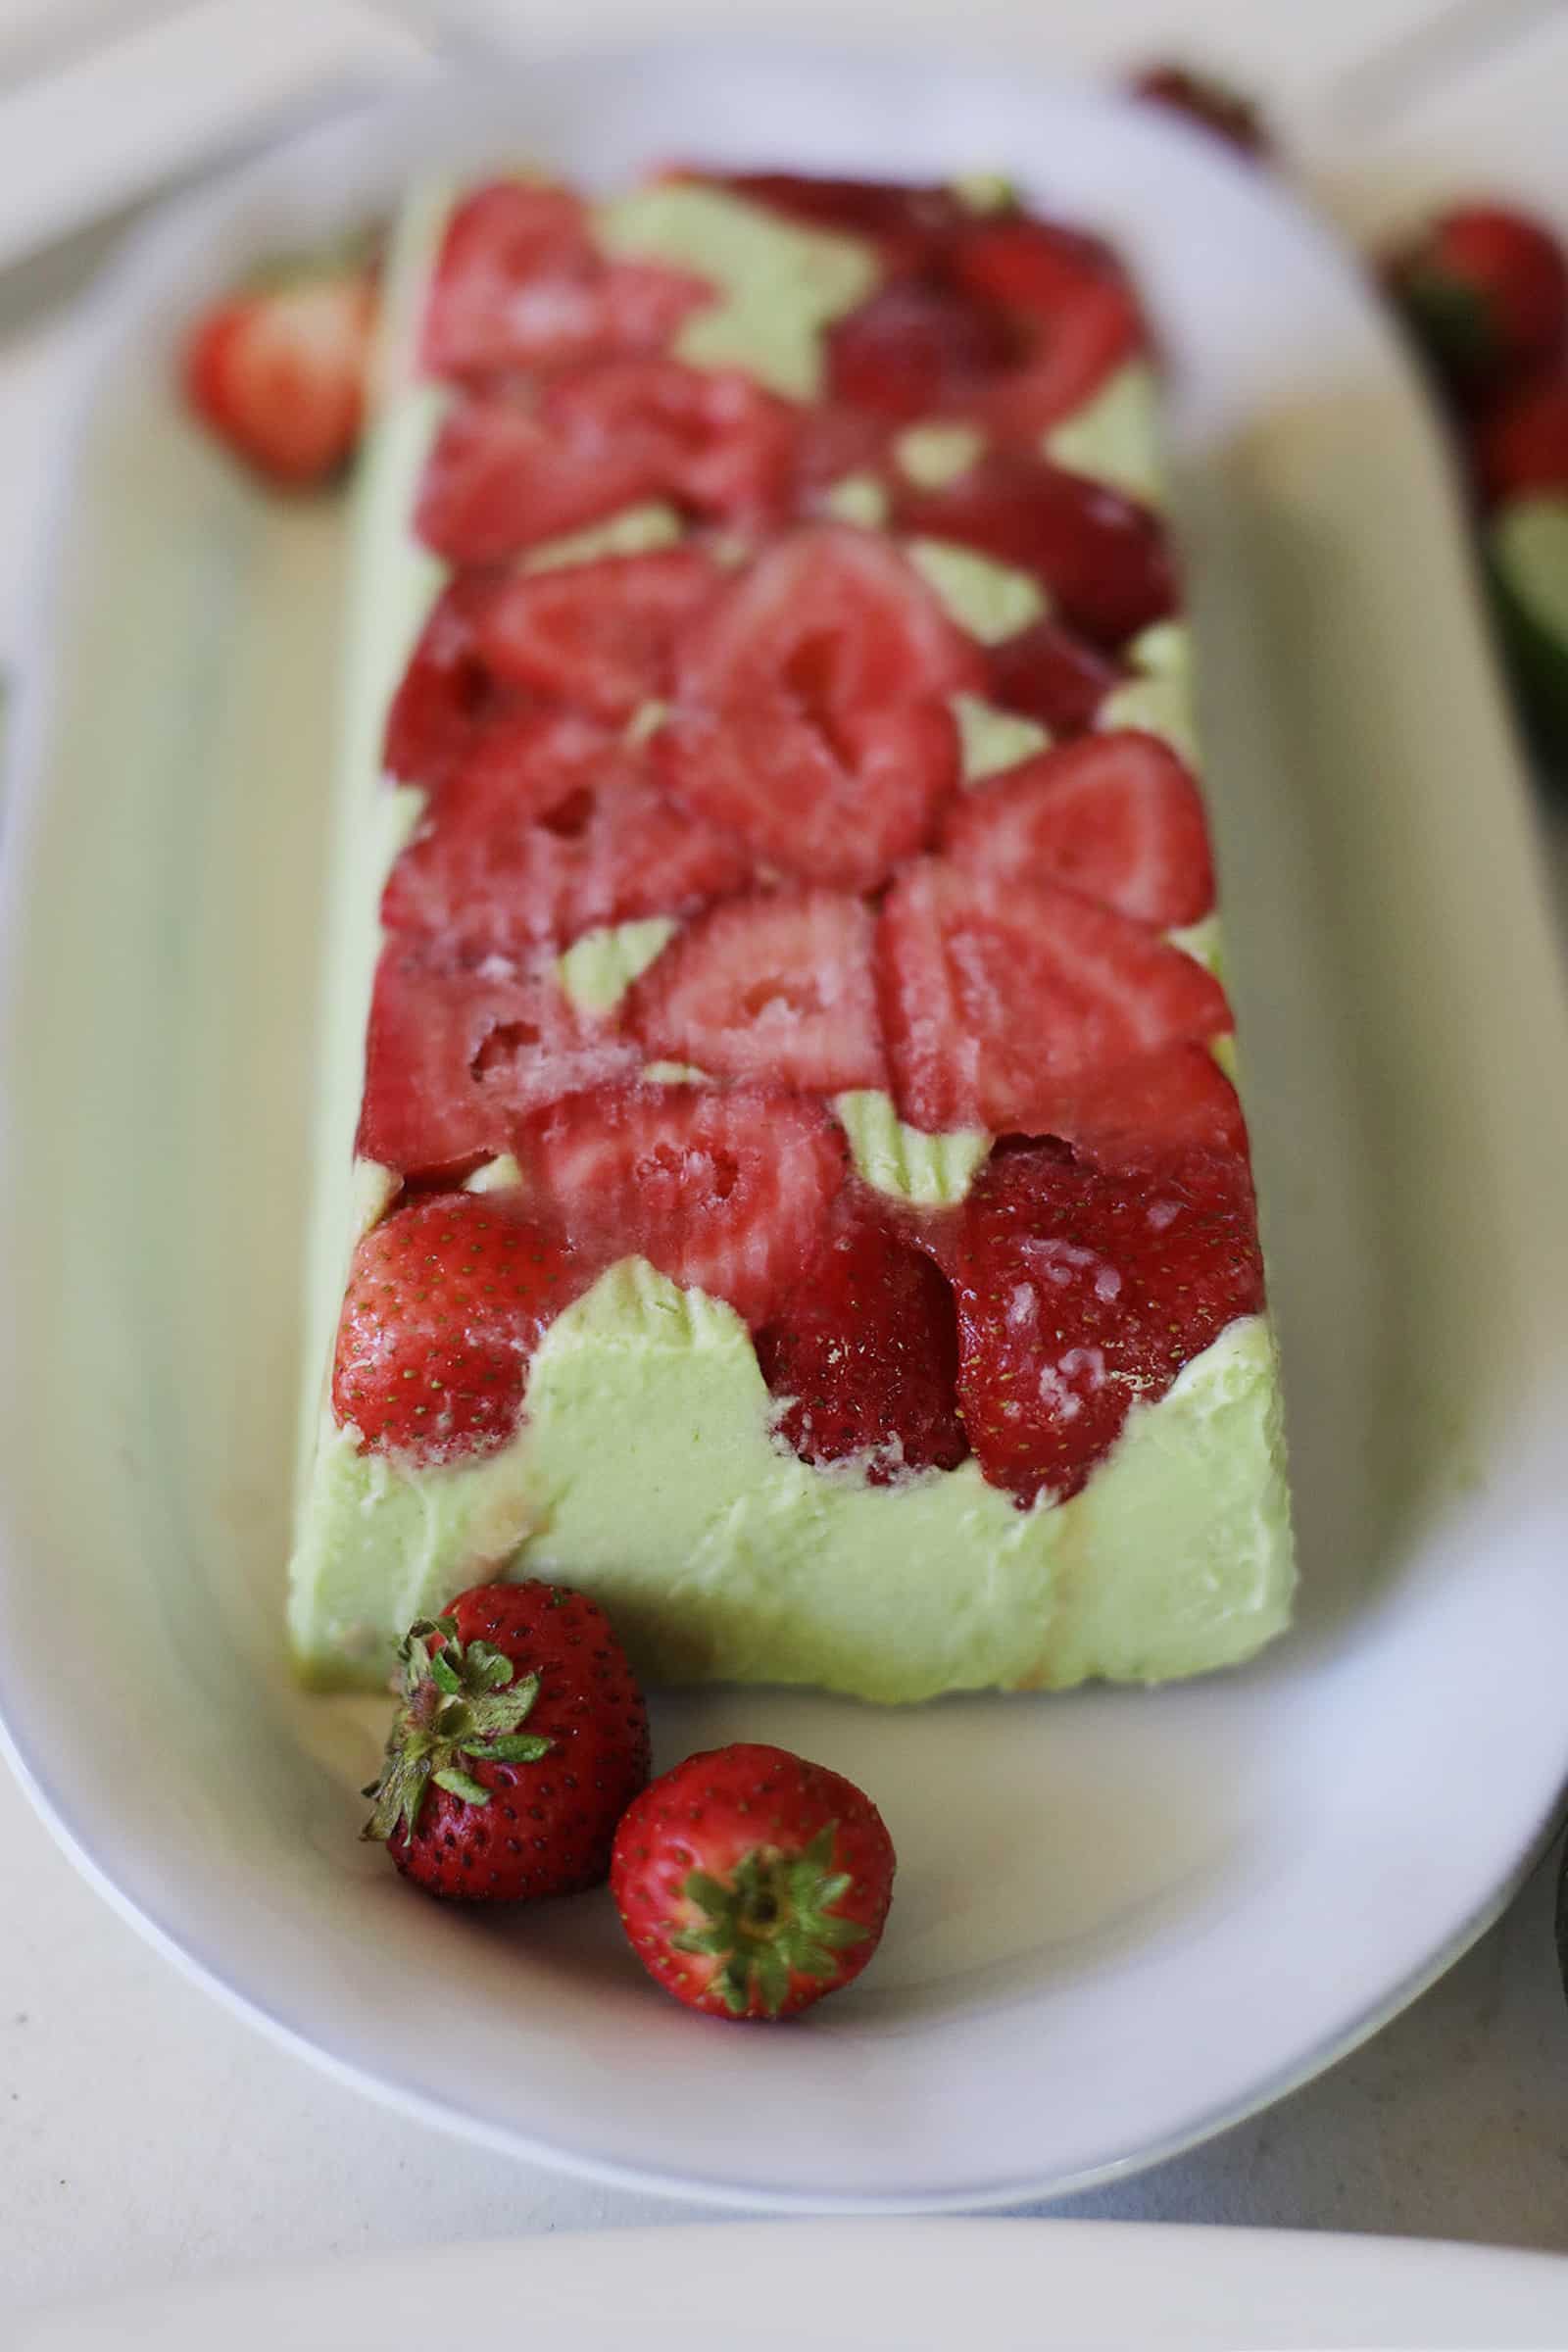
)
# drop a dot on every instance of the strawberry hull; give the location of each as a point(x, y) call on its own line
point(799, 1199)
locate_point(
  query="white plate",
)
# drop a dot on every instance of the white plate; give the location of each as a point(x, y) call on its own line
point(872, 2286)
point(1122, 1919)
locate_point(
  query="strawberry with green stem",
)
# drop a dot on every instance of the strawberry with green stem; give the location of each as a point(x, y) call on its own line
point(752, 1883)
point(520, 1738)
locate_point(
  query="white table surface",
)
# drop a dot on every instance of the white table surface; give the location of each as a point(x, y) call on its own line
point(147, 2135)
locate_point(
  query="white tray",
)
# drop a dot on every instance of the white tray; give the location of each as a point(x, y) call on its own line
point(870, 2287)
point(1122, 1919)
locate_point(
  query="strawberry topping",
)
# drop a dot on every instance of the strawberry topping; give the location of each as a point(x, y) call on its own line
point(599, 635)
point(1143, 1112)
point(551, 827)
point(519, 284)
point(456, 1054)
point(447, 1301)
point(916, 346)
point(865, 1354)
point(1049, 674)
point(774, 986)
point(810, 715)
point(497, 482)
point(1080, 1292)
point(1102, 557)
point(1116, 816)
point(724, 1190)
point(447, 691)
point(994, 993)
point(711, 439)
point(1068, 305)
point(908, 222)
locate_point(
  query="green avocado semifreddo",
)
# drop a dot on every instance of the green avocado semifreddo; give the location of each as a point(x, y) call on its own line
point(651, 1461)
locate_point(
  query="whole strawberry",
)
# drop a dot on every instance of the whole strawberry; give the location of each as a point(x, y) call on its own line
point(521, 1738)
point(278, 370)
point(752, 1883)
point(1484, 292)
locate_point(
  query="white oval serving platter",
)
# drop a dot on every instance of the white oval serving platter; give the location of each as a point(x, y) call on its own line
point(1123, 1919)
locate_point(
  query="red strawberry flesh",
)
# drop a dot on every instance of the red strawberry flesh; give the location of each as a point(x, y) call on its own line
point(1071, 312)
point(1049, 674)
point(1115, 816)
point(1520, 444)
point(777, 986)
point(1081, 1292)
point(447, 692)
point(498, 482)
point(598, 635)
point(551, 827)
point(1103, 559)
point(447, 1300)
point(994, 994)
point(866, 1352)
point(916, 347)
point(711, 440)
point(519, 284)
point(725, 1190)
point(457, 1053)
point(811, 716)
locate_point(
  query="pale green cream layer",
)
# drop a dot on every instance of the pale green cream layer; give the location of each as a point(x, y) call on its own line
point(779, 284)
point(647, 1467)
point(647, 1470)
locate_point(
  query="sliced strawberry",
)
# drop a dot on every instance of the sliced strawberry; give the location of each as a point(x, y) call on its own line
point(1069, 307)
point(497, 482)
point(725, 1192)
point(1049, 674)
point(810, 715)
point(993, 993)
point(518, 284)
point(843, 808)
point(456, 1053)
point(278, 373)
point(774, 986)
point(1145, 1112)
point(709, 438)
point(907, 222)
point(865, 1354)
point(1115, 816)
point(917, 346)
point(831, 441)
point(447, 1301)
point(598, 635)
point(552, 826)
point(447, 693)
point(1080, 1292)
point(1104, 558)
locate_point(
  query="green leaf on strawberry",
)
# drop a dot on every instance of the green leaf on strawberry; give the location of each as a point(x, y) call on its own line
point(460, 1699)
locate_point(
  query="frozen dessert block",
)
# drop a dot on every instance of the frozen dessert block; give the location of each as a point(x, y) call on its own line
point(780, 1166)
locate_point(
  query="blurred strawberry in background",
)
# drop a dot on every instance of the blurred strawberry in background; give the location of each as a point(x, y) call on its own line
point(1481, 290)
